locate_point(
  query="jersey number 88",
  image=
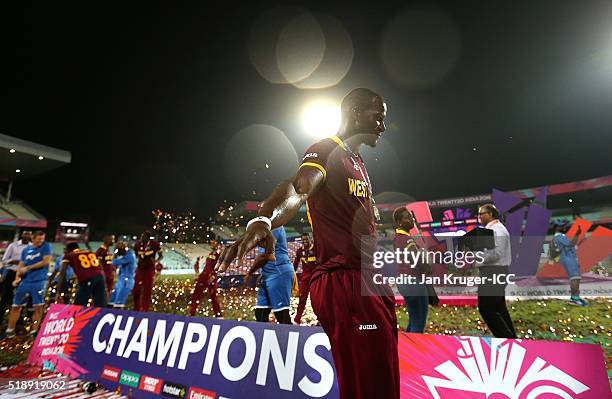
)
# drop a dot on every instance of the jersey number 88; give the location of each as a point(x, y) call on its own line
point(89, 260)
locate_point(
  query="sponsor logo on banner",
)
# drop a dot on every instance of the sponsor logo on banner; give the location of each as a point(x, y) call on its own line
point(110, 373)
point(173, 390)
point(150, 384)
point(128, 378)
point(500, 373)
point(197, 393)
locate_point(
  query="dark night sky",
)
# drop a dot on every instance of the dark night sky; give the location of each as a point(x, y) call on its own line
point(147, 97)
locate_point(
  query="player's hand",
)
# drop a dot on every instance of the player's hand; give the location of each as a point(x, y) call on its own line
point(257, 232)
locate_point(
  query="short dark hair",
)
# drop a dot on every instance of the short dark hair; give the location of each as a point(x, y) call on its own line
point(360, 98)
point(72, 246)
point(398, 213)
point(38, 233)
point(491, 209)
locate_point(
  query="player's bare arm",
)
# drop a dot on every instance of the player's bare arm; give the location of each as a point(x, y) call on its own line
point(280, 207)
point(44, 262)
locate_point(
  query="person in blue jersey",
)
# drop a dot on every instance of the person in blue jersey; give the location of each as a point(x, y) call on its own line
point(69, 279)
point(566, 248)
point(32, 280)
point(276, 280)
point(125, 262)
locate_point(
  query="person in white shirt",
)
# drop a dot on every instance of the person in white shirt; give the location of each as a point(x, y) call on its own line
point(10, 264)
point(496, 263)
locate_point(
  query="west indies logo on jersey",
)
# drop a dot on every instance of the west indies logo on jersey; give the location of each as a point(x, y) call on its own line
point(358, 188)
point(504, 372)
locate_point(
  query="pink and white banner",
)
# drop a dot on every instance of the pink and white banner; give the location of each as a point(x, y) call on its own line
point(448, 367)
point(136, 353)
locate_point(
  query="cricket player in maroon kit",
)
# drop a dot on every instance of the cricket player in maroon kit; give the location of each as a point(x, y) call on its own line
point(207, 280)
point(89, 273)
point(146, 251)
point(105, 257)
point(358, 318)
point(306, 255)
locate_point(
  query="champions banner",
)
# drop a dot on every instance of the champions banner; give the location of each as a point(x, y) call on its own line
point(152, 355)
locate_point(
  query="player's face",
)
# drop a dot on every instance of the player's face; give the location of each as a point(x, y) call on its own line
point(120, 247)
point(306, 240)
point(371, 122)
point(214, 244)
point(26, 236)
point(484, 216)
point(407, 222)
point(38, 240)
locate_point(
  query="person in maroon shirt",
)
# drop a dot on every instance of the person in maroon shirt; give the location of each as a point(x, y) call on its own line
point(416, 296)
point(105, 257)
point(90, 275)
point(147, 249)
point(358, 317)
point(306, 255)
point(207, 280)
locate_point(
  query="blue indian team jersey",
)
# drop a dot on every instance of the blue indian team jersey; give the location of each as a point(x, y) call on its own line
point(126, 264)
point(282, 263)
point(32, 255)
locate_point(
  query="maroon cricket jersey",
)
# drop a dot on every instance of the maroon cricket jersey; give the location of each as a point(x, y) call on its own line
point(145, 253)
point(341, 212)
point(84, 263)
point(211, 261)
point(308, 258)
point(105, 257)
point(404, 239)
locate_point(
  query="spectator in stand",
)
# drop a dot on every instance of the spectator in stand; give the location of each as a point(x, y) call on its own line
point(207, 280)
point(125, 260)
point(148, 253)
point(10, 264)
point(105, 257)
point(31, 282)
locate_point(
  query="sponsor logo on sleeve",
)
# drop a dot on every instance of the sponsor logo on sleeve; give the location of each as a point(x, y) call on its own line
point(197, 393)
point(150, 384)
point(110, 373)
point(172, 390)
point(130, 379)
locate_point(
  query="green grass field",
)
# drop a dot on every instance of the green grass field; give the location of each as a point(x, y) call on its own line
point(550, 319)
